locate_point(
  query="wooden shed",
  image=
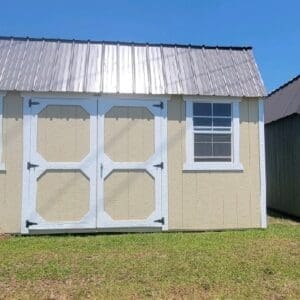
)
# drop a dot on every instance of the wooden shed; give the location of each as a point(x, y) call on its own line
point(105, 136)
point(283, 148)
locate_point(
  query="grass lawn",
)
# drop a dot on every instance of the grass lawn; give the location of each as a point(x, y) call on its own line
point(252, 264)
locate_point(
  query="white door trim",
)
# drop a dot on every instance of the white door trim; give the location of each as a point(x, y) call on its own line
point(107, 103)
point(30, 176)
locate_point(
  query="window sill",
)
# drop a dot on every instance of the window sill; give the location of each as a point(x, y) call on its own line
point(2, 167)
point(213, 167)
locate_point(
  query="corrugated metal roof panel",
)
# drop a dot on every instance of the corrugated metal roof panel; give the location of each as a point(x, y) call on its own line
point(93, 72)
point(45, 67)
point(284, 101)
point(186, 69)
point(110, 81)
point(76, 80)
point(126, 80)
point(29, 66)
point(141, 71)
point(173, 83)
point(83, 66)
point(157, 76)
point(202, 78)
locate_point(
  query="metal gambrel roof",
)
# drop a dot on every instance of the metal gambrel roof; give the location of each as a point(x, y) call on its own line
point(48, 65)
point(284, 101)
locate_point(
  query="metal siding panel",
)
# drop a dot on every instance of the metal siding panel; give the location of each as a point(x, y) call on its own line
point(94, 67)
point(62, 68)
point(156, 71)
point(110, 69)
point(125, 70)
point(186, 71)
point(141, 70)
point(30, 66)
point(46, 67)
point(77, 71)
point(171, 71)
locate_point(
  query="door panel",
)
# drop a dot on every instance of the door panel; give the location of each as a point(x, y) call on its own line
point(129, 195)
point(91, 163)
point(62, 163)
point(131, 162)
point(132, 137)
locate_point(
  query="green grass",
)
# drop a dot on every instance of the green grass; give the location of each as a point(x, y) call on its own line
point(256, 264)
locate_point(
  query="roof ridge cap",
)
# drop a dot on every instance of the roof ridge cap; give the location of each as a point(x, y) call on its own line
point(230, 47)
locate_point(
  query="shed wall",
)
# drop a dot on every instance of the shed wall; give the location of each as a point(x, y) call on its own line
point(214, 200)
point(11, 178)
point(283, 165)
point(197, 200)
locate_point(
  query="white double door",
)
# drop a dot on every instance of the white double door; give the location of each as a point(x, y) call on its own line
point(93, 163)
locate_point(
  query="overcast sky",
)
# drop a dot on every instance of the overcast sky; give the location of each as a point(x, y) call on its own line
point(271, 27)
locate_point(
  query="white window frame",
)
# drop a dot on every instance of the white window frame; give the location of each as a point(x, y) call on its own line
point(2, 164)
point(234, 165)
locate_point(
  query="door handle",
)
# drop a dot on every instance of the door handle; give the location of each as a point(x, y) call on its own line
point(101, 170)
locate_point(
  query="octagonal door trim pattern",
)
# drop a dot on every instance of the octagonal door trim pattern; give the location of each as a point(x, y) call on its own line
point(132, 185)
point(60, 164)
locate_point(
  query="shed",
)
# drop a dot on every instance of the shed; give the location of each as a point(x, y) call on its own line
point(282, 131)
point(111, 136)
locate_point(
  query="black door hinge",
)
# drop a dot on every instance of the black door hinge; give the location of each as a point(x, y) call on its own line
point(160, 105)
point(161, 165)
point(28, 223)
point(30, 165)
point(33, 103)
point(162, 221)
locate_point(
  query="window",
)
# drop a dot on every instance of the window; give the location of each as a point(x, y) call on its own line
point(212, 135)
point(2, 166)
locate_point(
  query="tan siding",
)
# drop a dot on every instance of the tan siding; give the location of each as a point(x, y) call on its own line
point(129, 195)
point(129, 134)
point(63, 195)
point(213, 200)
point(11, 178)
point(63, 133)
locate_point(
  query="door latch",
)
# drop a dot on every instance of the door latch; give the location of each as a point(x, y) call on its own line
point(30, 165)
point(28, 223)
point(161, 165)
point(162, 221)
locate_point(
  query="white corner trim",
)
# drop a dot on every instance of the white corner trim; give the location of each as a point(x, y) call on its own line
point(2, 165)
point(262, 163)
point(235, 164)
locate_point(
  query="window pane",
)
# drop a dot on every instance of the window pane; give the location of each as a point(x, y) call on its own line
point(202, 109)
point(202, 137)
point(219, 138)
point(220, 122)
point(222, 149)
point(203, 149)
point(222, 110)
point(202, 121)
